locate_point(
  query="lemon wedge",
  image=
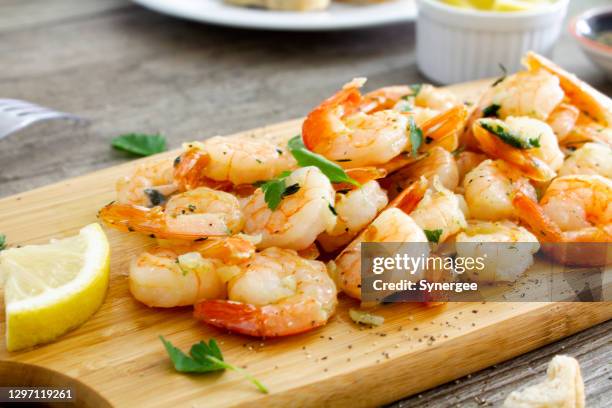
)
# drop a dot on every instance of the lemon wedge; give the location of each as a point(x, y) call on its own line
point(53, 288)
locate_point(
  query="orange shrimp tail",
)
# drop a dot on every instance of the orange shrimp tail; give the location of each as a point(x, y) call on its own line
point(445, 129)
point(129, 218)
point(189, 169)
point(361, 175)
point(234, 316)
point(408, 199)
point(533, 216)
point(230, 250)
point(317, 128)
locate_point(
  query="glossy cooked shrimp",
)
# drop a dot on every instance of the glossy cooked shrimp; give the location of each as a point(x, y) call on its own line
point(437, 162)
point(181, 276)
point(193, 214)
point(237, 160)
point(441, 209)
point(392, 225)
point(574, 209)
point(276, 293)
point(591, 158)
point(356, 209)
point(563, 120)
point(489, 189)
point(339, 130)
point(299, 218)
point(150, 184)
point(526, 143)
point(406, 98)
point(466, 161)
point(505, 248)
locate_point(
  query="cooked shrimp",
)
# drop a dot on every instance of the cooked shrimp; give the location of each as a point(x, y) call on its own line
point(234, 160)
point(441, 209)
point(466, 161)
point(355, 209)
point(502, 263)
point(164, 277)
point(193, 214)
point(527, 93)
point(489, 189)
point(406, 98)
point(392, 225)
point(340, 131)
point(299, 218)
point(436, 163)
point(526, 143)
point(563, 119)
point(591, 158)
point(148, 185)
point(574, 209)
point(277, 293)
point(438, 99)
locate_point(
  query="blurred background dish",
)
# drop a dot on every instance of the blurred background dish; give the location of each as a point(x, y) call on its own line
point(457, 44)
point(593, 30)
point(338, 16)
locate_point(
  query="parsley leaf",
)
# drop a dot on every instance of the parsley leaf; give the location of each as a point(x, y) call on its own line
point(509, 136)
point(491, 110)
point(416, 137)
point(2, 242)
point(502, 78)
point(204, 358)
point(305, 157)
point(140, 144)
point(416, 89)
point(433, 235)
point(276, 189)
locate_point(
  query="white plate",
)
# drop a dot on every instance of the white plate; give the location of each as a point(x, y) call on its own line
point(339, 15)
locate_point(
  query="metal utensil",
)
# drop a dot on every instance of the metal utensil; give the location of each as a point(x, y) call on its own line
point(16, 114)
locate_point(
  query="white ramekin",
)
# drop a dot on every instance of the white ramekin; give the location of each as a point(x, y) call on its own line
point(458, 45)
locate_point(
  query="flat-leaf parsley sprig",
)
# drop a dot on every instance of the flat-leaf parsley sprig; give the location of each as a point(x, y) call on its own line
point(204, 358)
point(140, 144)
point(276, 189)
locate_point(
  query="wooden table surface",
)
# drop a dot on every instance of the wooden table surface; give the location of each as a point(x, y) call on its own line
point(129, 69)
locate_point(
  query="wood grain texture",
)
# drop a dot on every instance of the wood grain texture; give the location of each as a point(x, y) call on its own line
point(117, 352)
point(128, 69)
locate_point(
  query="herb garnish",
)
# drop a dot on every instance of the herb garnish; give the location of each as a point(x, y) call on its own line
point(275, 190)
point(416, 137)
point(204, 358)
point(154, 196)
point(433, 235)
point(305, 157)
point(502, 78)
point(2, 242)
point(332, 209)
point(416, 89)
point(491, 110)
point(508, 136)
point(140, 144)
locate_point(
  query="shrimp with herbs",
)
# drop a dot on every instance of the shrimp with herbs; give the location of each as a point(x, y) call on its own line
point(526, 143)
point(574, 209)
point(233, 161)
point(150, 184)
point(590, 158)
point(305, 211)
point(505, 249)
point(355, 209)
point(404, 98)
point(194, 214)
point(184, 275)
point(490, 187)
point(276, 293)
point(392, 225)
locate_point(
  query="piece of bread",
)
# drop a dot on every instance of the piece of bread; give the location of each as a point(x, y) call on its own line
point(563, 388)
point(286, 5)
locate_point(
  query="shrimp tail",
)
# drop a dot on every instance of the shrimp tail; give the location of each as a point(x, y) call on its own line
point(532, 215)
point(361, 175)
point(445, 129)
point(234, 316)
point(408, 199)
point(317, 127)
point(129, 218)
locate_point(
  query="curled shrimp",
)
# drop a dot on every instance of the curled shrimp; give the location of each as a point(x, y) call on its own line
point(185, 275)
point(339, 130)
point(526, 143)
point(148, 185)
point(355, 209)
point(563, 120)
point(237, 160)
point(193, 214)
point(505, 249)
point(392, 225)
point(574, 209)
point(489, 189)
point(276, 293)
point(591, 158)
point(405, 98)
point(435, 163)
point(299, 218)
point(466, 161)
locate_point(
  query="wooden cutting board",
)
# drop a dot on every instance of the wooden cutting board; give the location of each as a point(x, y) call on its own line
point(116, 356)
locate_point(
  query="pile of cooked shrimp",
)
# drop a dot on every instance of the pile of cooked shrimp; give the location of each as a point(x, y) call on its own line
point(530, 162)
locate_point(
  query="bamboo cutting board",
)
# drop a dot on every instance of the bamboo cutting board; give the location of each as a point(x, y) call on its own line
point(116, 357)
